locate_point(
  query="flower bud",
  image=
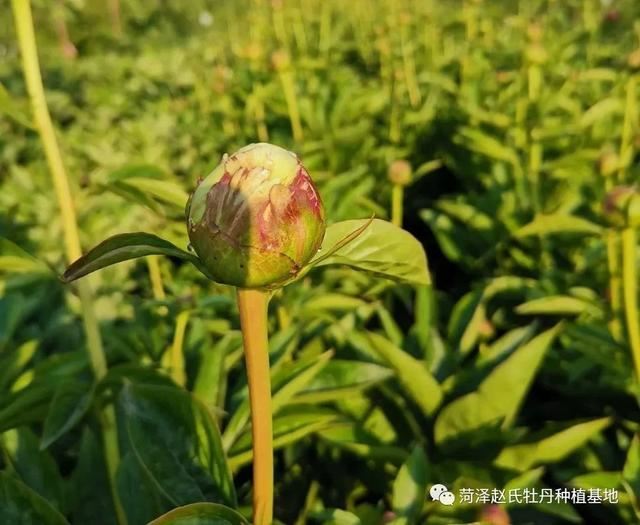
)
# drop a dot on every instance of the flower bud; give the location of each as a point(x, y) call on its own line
point(534, 32)
point(280, 60)
point(621, 207)
point(257, 219)
point(494, 515)
point(400, 173)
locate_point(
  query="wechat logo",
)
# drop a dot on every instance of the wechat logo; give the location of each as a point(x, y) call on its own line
point(440, 493)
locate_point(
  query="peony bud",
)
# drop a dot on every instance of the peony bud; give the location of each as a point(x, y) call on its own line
point(494, 515)
point(280, 60)
point(400, 173)
point(621, 207)
point(534, 32)
point(257, 219)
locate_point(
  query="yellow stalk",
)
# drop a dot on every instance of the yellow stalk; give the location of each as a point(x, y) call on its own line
point(252, 305)
point(176, 354)
point(31, 69)
point(630, 293)
point(397, 196)
point(615, 284)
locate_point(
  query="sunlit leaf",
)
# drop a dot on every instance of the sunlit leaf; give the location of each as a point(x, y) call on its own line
point(121, 248)
point(499, 396)
point(381, 248)
point(201, 514)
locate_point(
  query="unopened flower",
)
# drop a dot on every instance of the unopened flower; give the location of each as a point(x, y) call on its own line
point(494, 515)
point(400, 173)
point(257, 219)
point(621, 207)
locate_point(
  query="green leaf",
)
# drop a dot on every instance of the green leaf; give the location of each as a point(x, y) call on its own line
point(381, 248)
point(488, 145)
point(558, 305)
point(25, 406)
point(552, 448)
point(184, 460)
point(292, 425)
point(469, 315)
point(506, 344)
point(139, 496)
point(410, 488)
point(353, 437)
point(14, 259)
point(151, 180)
point(604, 108)
point(499, 396)
point(210, 379)
point(36, 468)
point(336, 517)
point(121, 248)
point(558, 223)
point(70, 403)
point(21, 505)
point(286, 381)
point(12, 364)
point(631, 472)
point(413, 375)
point(324, 253)
point(14, 110)
point(89, 487)
point(340, 378)
point(201, 514)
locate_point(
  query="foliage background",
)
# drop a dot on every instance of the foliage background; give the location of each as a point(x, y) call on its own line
point(512, 370)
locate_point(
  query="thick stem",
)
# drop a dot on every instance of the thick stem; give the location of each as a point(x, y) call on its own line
point(397, 196)
point(252, 305)
point(31, 68)
point(630, 292)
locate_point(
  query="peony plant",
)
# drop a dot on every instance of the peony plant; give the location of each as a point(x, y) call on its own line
point(257, 223)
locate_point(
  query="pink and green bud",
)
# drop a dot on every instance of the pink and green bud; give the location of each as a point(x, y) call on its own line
point(257, 219)
point(400, 173)
point(494, 515)
point(621, 207)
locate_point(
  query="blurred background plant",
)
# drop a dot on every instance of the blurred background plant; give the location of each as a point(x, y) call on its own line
point(519, 126)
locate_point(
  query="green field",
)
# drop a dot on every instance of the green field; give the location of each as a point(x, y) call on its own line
point(501, 138)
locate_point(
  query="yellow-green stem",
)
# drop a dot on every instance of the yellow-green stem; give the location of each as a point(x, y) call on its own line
point(176, 354)
point(630, 293)
point(252, 305)
point(615, 284)
point(324, 44)
point(261, 126)
point(114, 13)
point(409, 66)
point(628, 130)
point(288, 86)
point(31, 69)
point(397, 196)
point(155, 276)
